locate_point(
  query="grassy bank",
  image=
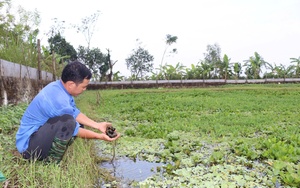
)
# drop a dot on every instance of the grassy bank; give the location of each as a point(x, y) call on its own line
point(76, 170)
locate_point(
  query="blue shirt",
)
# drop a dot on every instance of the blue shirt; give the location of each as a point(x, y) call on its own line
point(53, 100)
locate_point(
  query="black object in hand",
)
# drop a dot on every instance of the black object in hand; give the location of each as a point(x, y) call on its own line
point(110, 131)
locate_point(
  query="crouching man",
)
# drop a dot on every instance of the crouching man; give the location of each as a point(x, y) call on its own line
point(52, 120)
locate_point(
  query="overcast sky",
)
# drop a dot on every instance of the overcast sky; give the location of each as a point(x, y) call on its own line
point(239, 27)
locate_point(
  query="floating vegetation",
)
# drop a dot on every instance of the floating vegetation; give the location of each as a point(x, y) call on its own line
point(231, 136)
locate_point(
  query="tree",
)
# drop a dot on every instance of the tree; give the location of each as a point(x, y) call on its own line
point(87, 27)
point(254, 65)
point(59, 45)
point(273, 71)
point(57, 28)
point(213, 57)
point(194, 72)
point(297, 67)
point(95, 60)
point(117, 76)
point(284, 72)
point(207, 69)
point(111, 65)
point(169, 41)
point(224, 67)
point(139, 63)
point(237, 68)
point(173, 73)
point(47, 64)
point(18, 35)
point(98, 62)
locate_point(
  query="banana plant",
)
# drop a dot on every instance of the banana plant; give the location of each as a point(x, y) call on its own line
point(297, 67)
point(254, 65)
point(284, 72)
point(117, 77)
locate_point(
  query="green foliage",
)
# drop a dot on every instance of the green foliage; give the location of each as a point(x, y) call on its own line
point(19, 36)
point(254, 66)
point(239, 132)
point(169, 40)
point(170, 72)
point(60, 46)
point(281, 150)
point(216, 157)
point(237, 68)
point(139, 63)
point(288, 172)
point(194, 72)
point(47, 64)
point(95, 60)
point(10, 117)
point(213, 55)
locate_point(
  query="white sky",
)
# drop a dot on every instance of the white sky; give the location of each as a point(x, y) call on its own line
point(239, 27)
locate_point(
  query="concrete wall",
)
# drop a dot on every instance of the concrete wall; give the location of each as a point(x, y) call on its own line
point(183, 83)
point(19, 83)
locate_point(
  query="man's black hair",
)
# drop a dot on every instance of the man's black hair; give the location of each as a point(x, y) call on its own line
point(76, 72)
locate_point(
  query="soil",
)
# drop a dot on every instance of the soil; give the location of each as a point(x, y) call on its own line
point(111, 132)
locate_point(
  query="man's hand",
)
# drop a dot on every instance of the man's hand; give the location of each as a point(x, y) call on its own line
point(103, 125)
point(107, 138)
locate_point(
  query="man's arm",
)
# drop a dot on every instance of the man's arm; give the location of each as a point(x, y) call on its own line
point(83, 119)
point(85, 133)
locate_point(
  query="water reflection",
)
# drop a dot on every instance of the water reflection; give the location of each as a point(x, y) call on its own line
point(127, 169)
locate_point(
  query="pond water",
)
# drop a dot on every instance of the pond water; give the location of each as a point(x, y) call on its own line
point(126, 170)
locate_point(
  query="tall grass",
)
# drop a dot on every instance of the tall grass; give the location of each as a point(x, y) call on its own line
point(78, 168)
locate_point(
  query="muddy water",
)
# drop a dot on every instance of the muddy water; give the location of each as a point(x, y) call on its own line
point(126, 170)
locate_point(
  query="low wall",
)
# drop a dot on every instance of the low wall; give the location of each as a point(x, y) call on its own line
point(183, 83)
point(19, 83)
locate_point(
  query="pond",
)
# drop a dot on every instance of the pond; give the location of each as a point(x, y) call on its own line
point(126, 170)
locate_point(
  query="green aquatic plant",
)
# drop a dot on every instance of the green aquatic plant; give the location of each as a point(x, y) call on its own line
point(220, 135)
